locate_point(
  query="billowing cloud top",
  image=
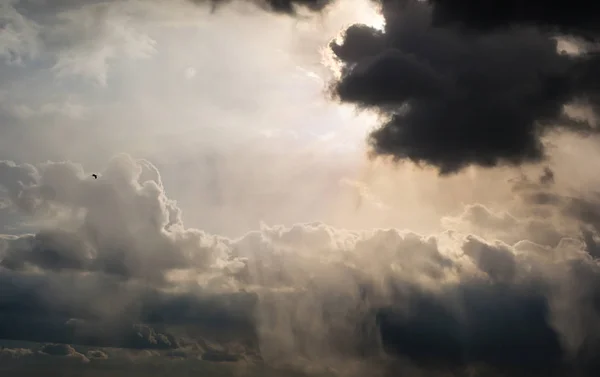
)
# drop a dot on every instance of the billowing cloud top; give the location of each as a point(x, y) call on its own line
point(113, 265)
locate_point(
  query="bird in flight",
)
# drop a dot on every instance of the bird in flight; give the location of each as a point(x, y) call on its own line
point(95, 176)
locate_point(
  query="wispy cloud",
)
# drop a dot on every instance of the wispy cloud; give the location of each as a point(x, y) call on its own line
point(19, 35)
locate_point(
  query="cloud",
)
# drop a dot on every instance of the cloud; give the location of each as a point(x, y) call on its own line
point(14, 353)
point(94, 35)
point(458, 84)
point(446, 72)
point(20, 36)
point(278, 6)
point(363, 194)
point(62, 350)
point(83, 38)
point(145, 238)
point(96, 354)
point(114, 265)
point(80, 37)
point(572, 18)
point(30, 360)
point(68, 108)
point(190, 73)
point(111, 263)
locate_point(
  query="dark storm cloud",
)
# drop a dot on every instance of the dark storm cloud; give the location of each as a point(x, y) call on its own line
point(507, 332)
point(579, 17)
point(104, 312)
point(461, 83)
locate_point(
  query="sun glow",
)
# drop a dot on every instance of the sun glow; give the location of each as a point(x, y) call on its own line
point(374, 19)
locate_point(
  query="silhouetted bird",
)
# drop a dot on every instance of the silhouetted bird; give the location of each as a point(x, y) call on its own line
point(95, 176)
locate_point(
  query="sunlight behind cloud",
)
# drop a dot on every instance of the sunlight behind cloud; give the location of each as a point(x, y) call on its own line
point(181, 192)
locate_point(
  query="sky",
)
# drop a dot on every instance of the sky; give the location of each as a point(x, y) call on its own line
point(395, 187)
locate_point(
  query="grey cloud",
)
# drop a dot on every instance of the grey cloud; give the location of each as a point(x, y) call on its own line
point(497, 261)
point(456, 322)
point(508, 228)
point(547, 177)
point(492, 85)
point(120, 362)
point(308, 294)
point(278, 6)
point(77, 38)
point(19, 38)
point(15, 178)
point(96, 354)
point(577, 17)
point(489, 290)
point(458, 84)
point(14, 353)
point(83, 38)
point(61, 350)
point(108, 313)
point(113, 264)
point(116, 224)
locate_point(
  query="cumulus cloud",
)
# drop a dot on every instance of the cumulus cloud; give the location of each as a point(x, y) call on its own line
point(123, 221)
point(116, 267)
point(461, 83)
point(62, 350)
